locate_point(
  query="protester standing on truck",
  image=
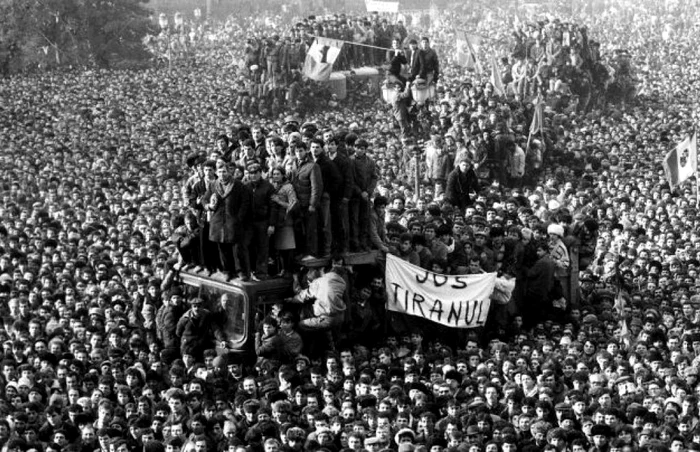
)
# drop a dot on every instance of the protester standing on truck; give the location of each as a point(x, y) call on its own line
point(230, 206)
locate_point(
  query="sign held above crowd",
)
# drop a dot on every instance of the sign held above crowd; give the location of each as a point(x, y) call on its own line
point(460, 301)
point(382, 6)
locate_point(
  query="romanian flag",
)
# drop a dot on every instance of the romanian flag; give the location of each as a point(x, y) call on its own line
point(537, 124)
point(467, 48)
point(625, 335)
point(496, 79)
point(320, 58)
point(620, 302)
point(682, 162)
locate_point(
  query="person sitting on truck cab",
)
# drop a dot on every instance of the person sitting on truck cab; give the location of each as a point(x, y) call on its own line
point(326, 292)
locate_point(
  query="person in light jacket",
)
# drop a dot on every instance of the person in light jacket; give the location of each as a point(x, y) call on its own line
point(516, 165)
point(326, 291)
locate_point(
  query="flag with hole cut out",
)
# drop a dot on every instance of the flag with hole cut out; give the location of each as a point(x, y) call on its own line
point(320, 58)
point(681, 162)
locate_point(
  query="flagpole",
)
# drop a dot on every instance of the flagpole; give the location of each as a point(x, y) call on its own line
point(544, 142)
point(621, 296)
point(351, 42)
point(697, 177)
point(527, 146)
point(534, 118)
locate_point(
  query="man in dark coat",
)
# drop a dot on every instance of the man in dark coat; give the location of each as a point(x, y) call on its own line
point(186, 237)
point(460, 182)
point(207, 249)
point(262, 191)
point(428, 64)
point(332, 186)
point(396, 58)
point(365, 182)
point(308, 185)
point(413, 57)
point(340, 208)
point(195, 330)
point(166, 324)
point(539, 283)
point(229, 204)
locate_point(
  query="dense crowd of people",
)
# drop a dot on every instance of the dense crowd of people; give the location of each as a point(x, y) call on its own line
point(269, 66)
point(115, 181)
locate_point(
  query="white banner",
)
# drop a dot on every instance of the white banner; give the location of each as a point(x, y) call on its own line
point(382, 7)
point(461, 301)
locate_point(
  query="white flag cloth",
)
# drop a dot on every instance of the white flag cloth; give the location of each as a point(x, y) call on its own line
point(681, 162)
point(320, 58)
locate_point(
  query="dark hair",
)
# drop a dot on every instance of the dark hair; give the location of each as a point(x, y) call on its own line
point(271, 321)
point(380, 201)
point(418, 239)
point(542, 245)
point(406, 237)
point(279, 168)
point(317, 141)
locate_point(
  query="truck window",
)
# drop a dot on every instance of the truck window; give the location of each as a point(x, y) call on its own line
point(230, 309)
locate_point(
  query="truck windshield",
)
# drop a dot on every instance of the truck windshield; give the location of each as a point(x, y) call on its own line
point(229, 306)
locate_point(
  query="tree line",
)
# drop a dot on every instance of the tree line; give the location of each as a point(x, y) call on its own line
point(45, 34)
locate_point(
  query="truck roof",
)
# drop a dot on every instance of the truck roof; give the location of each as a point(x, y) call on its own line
point(363, 258)
point(255, 289)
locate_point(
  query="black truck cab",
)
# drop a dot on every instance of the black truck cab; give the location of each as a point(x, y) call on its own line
point(242, 303)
